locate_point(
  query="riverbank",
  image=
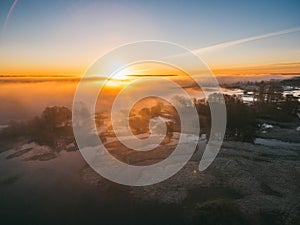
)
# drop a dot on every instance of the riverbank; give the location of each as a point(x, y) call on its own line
point(246, 184)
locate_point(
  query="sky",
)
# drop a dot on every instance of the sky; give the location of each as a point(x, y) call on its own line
point(63, 37)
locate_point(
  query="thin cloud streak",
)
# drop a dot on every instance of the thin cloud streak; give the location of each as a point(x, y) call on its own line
point(9, 14)
point(244, 40)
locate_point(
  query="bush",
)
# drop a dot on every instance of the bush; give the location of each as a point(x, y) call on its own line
point(52, 128)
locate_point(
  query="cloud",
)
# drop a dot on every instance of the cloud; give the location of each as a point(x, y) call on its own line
point(150, 75)
point(9, 14)
point(239, 42)
point(45, 79)
point(245, 40)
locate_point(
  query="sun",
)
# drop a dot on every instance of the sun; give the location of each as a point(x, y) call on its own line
point(120, 77)
point(123, 74)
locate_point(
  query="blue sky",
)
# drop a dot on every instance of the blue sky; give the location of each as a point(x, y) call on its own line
point(57, 34)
